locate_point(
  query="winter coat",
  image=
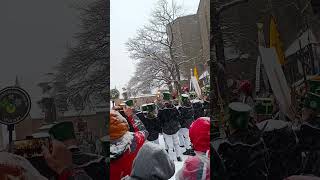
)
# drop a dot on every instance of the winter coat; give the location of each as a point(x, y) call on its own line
point(135, 123)
point(152, 163)
point(186, 116)
point(123, 152)
point(94, 165)
point(152, 125)
point(198, 109)
point(244, 156)
point(170, 120)
point(195, 168)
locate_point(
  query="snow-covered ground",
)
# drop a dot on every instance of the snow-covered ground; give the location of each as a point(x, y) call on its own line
point(178, 165)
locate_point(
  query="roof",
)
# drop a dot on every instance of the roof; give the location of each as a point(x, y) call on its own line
point(40, 134)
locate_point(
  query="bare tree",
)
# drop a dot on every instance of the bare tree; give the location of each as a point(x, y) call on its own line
point(156, 49)
point(85, 67)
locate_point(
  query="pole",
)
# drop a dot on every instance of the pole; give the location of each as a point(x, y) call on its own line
point(10, 129)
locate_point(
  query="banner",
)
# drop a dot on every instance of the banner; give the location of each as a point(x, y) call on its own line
point(196, 86)
point(277, 79)
point(195, 73)
point(275, 41)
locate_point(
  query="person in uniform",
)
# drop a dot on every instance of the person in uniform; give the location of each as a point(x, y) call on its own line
point(187, 117)
point(94, 165)
point(197, 105)
point(132, 116)
point(309, 133)
point(311, 108)
point(243, 151)
point(170, 124)
point(151, 122)
point(239, 130)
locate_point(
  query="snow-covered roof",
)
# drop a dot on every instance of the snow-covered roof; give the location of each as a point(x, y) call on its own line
point(306, 38)
point(40, 134)
point(143, 95)
point(45, 127)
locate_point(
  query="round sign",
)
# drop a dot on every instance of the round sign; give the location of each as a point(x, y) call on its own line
point(15, 105)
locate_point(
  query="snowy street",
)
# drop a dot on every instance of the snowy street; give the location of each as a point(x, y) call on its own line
point(178, 165)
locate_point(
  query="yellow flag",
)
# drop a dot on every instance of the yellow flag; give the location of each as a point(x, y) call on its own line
point(275, 40)
point(195, 73)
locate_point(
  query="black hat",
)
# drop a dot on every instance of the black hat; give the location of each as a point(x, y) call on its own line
point(63, 131)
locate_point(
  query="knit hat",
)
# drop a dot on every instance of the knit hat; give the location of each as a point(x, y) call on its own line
point(118, 125)
point(199, 134)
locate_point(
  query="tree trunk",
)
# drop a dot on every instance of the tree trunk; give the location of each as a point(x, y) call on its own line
point(178, 80)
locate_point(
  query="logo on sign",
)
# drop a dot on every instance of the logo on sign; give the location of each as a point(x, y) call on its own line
point(15, 105)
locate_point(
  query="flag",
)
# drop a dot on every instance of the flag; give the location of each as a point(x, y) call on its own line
point(275, 41)
point(195, 73)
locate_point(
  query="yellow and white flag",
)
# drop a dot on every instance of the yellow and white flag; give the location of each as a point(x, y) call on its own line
point(195, 73)
point(275, 40)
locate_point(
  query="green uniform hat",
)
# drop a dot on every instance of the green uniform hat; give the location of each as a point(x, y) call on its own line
point(62, 131)
point(184, 97)
point(129, 103)
point(166, 96)
point(192, 95)
point(151, 107)
point(144, 108)
point(312, 101)
point(263, 106)
point(314, 86)
point(239, 115)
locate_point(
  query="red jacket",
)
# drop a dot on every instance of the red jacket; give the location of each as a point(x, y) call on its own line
point(122, 165)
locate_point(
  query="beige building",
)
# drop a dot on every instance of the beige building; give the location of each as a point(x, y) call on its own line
point(204, 23)
point(191, 39)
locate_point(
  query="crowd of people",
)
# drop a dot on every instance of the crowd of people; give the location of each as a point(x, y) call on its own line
point(63, 161)
point(256, 143)
point(135, 152)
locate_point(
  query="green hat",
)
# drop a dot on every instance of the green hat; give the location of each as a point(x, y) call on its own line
point(129, 102)
point(144, 108)
point(62, 131)
point(192, 95)
point(151, 107)
point(166, 96)
point(239, 115)
point(314, 85)
point(184, 97)
point(312, 101)
point(263, 106)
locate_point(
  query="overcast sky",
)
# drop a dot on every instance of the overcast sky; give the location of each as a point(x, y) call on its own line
point(127, 16)
point(33, 37)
